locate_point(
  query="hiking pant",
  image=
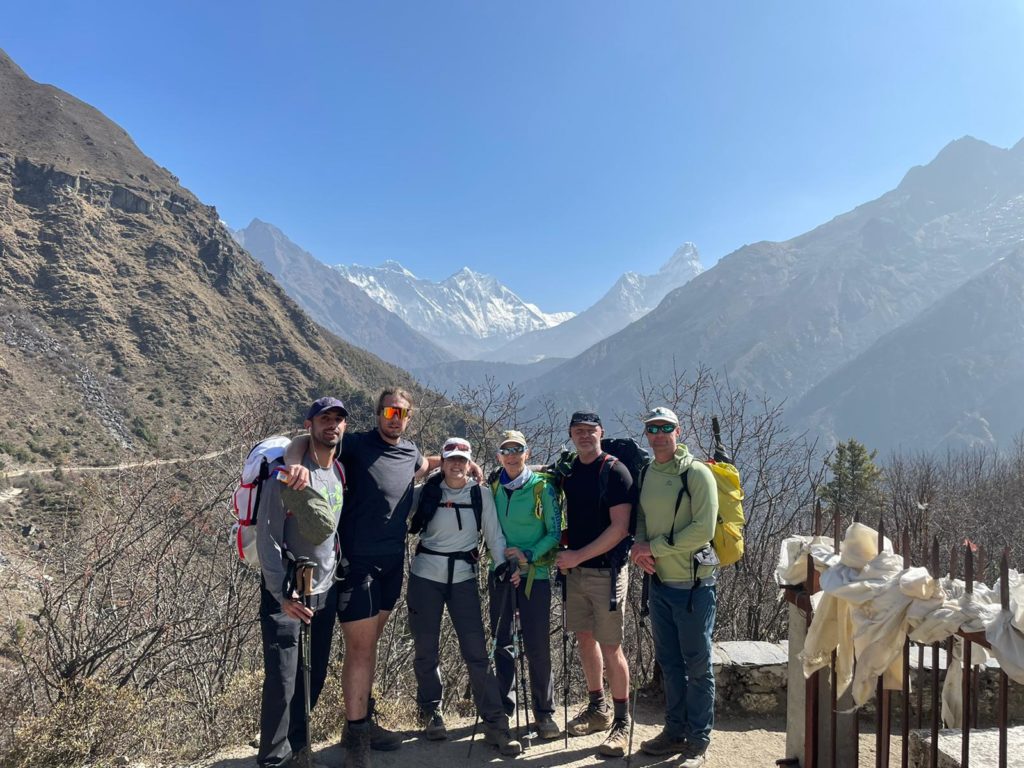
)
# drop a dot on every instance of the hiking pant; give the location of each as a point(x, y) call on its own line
point(535, 623)
point(426, 600)
point(682, 646)
point(283, 708)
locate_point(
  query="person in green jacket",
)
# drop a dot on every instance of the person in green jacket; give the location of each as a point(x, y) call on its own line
point(531, 519)
point(674, 527)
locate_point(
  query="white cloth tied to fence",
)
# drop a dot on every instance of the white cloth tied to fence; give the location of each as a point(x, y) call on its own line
point(870, 604)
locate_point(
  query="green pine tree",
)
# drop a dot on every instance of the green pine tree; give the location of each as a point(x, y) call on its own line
point(856, 481)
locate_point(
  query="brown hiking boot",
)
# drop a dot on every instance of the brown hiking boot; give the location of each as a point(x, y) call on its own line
point(304, 758)
point(591, 719)
point(664, 744)
point(616, 741)
point(358, 746)
point(547, 728)
point(502, 739)
point(433, 725)
point(693, 757)
point(381, 739)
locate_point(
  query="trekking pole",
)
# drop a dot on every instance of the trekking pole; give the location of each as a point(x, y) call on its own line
point(518, 631)
point(645, 595)
point(563, 581)
point(305, 570)
point(500, 573)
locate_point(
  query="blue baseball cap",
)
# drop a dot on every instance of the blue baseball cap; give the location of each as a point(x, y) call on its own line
point(325, 404)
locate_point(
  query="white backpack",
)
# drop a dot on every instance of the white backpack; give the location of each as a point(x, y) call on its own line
point(265, 456)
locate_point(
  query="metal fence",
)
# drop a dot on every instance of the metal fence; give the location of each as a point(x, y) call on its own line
point(820, 742)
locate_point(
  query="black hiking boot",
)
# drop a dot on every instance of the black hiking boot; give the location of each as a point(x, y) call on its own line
point(433, 725)
point(358, 746)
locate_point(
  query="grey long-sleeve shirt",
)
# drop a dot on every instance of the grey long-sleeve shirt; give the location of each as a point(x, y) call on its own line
point(276, 531)
point(443, 535)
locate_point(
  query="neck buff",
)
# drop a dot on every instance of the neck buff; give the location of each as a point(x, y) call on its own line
point(515, 483)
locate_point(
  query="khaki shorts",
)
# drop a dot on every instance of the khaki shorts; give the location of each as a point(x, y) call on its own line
point(588, 593)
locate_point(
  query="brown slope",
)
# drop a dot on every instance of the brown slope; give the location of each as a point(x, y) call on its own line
point(130, 319)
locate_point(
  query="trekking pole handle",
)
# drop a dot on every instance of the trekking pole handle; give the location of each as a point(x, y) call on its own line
point(716, 429)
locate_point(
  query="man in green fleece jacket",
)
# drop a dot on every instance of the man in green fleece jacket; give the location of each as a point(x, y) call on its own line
point(678, 509)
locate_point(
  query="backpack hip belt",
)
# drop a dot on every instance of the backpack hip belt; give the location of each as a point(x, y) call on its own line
point(471, 556)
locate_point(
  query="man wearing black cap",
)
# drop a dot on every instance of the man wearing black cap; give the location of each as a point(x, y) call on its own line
point(598, 497)
point(280, 541)
point(380, 465)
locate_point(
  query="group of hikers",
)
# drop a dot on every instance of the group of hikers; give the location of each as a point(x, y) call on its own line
point(376, 487)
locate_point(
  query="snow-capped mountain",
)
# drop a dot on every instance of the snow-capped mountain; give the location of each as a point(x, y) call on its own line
point(334, 302)
point(466, 314)
point(632, 297)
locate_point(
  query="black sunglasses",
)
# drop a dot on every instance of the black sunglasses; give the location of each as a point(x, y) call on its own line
point(653, 429)
point(512, 449)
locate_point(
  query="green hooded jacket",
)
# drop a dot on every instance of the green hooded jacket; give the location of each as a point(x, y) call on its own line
point(537, 536)
point(694, 522)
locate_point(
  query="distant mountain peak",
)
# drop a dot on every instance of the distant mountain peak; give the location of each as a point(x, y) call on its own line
point(467, 312)
point(390, 265)
point(685, 261)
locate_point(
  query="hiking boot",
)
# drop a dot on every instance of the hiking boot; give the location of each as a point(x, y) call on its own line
point(304, 758)
point(591, 719)
point(693, 756)
point(433, 725)
point(381, 739)
point(547, 728)
point(502, 739)
point(358, 746)
point(664, 744)
point(616, 741)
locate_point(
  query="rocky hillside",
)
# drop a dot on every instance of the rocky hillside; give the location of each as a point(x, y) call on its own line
point(334, 302)
point(130, 320)
point(778, 318)
point(951, 377)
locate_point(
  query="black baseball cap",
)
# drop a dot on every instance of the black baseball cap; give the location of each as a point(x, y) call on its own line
point(584, 417)
point(325, 404)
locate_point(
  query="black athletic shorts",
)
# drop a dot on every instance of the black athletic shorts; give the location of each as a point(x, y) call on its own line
point(369, 585)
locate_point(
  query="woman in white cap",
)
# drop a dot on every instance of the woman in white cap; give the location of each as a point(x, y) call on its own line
point(451, 514)
point(531, 520)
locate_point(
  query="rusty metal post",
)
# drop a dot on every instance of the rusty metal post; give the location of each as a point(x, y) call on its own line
point(965, 684)
point(1002, 718)
point(905, 714)
point(936, 710)
point(833, 693)
point(811, 684)
point(883, 715)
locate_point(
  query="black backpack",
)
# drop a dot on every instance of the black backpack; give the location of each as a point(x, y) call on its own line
point(430, 500)
point(635, 458)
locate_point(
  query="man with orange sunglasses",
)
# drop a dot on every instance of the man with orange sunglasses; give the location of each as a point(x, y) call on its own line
point(381, 466)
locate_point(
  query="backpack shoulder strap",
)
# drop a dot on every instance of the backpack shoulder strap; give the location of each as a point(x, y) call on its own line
point(477, 500)
point(607, 462)
point(538, 494)
point(642, 475)
point(341, 473)
point(683, 488)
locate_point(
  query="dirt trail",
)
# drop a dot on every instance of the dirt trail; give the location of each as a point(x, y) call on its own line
point(736, 743)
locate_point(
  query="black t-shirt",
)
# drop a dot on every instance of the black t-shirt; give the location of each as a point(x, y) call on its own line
point(379, 495)
point(586, 513)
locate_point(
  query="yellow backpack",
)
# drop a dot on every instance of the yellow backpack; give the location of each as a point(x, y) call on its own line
point(728, 540)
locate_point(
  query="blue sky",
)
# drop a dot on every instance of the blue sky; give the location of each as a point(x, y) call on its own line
point(553, 144)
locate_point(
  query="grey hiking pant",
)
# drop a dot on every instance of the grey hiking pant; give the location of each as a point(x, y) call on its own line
point(283, 707)
point(426, 600)
point(534, 622)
